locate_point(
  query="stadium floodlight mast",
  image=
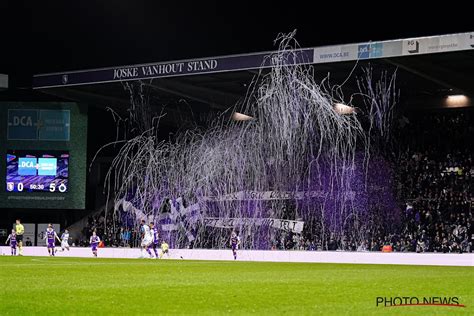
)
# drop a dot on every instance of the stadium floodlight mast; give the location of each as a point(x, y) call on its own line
point(294, 159)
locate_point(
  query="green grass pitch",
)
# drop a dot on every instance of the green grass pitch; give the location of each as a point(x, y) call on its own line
point(65, 286)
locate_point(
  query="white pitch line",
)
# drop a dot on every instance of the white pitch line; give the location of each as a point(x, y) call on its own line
point(44, 262)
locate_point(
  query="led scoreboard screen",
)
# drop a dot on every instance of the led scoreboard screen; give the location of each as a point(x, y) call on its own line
point(37, 171)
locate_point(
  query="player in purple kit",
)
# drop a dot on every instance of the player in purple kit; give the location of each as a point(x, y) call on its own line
point(234, 243)
point(51, 237)
point(12, 239)
point(94, 241)
point(155, 245)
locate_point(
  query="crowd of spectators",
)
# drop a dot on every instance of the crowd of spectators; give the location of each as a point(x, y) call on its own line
point(435, 173)
point(120, 232)
point(436, 179)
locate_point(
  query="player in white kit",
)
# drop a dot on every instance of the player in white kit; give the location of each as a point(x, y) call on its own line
point(65, 240)
point(147, 239)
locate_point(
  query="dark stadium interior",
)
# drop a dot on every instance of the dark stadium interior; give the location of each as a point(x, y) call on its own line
point(424, 82)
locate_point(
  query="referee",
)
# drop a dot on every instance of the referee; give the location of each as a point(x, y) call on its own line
point(20, 230)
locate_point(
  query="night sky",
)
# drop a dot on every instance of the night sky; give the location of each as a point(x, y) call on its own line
point(50, 36)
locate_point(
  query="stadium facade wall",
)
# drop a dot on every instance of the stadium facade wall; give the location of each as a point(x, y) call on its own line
point(274, 256)
point(24, 117)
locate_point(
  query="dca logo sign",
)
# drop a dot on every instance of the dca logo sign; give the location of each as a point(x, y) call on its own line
point(41, 124)
point(372, 50)
point(22, 124)
point(27, 166)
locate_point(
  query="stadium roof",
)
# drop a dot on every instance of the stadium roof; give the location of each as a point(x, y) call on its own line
point(428, 68)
